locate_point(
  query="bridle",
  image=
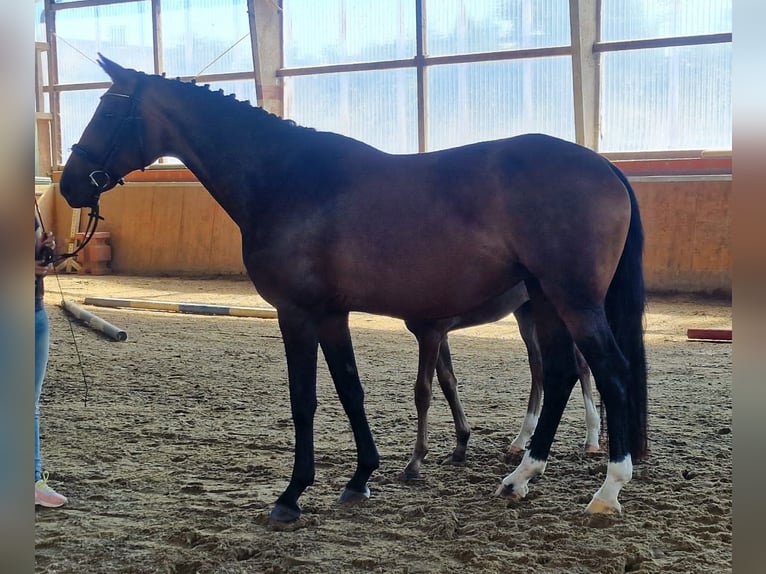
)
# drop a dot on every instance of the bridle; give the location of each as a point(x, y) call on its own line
point(102, 178)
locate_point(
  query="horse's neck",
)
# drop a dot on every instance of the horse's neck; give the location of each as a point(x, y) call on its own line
point(223, 160)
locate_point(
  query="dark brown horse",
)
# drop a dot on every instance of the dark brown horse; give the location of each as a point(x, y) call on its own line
point(330, 225)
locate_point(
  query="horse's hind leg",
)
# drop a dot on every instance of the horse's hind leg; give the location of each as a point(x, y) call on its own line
point(526, 323)
point(335, 340)
point(429, 340)
point(448, 382)
point(559, 377)
point(610, 371)
point(592, 416)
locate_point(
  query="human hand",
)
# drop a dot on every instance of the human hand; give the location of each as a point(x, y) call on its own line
point(49, 240)
point(47, 248)
point(42, 268)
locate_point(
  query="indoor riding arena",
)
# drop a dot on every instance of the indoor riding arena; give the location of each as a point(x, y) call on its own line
point(198, 308)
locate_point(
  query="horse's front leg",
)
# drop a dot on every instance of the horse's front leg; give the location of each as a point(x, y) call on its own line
point(300, 337)
point(428, 351)
point(335, 340)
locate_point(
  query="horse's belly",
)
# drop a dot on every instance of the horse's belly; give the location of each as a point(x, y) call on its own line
point(433, 291)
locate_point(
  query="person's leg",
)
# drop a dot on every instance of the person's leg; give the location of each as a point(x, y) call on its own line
point(41, 361)
point(44, 494)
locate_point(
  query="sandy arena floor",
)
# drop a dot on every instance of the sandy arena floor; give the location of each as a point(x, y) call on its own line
point(185, 442)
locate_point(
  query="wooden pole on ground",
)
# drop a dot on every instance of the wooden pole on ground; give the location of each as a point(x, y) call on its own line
point(94, 321)
point(194, 308)
point(709, 334)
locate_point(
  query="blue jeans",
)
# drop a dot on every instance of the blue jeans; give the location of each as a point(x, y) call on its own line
point(42, 340)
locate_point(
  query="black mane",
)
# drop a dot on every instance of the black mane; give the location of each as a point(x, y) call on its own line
point(230, 100)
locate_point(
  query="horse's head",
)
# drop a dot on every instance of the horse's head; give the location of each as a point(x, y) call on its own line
point(113, 143)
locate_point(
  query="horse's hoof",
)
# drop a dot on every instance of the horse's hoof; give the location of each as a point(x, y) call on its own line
point(513, 449)
point(282, 513)
point(454, 459)
point(349, 496)
point(507, 491)
point(601, 506)
point(592, 449)
point(410, 476)
point(504, 490)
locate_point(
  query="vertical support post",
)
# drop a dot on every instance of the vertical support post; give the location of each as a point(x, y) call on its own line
point(53, 80)
point(40, 47)
point(159, 63)
point(422, 74)
point(585, 24)
point(43, 150)
point(265, 21)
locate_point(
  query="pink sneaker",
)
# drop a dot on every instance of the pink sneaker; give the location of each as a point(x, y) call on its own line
point(46, 496)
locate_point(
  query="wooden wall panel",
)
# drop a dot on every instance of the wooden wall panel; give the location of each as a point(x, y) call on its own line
point(166, 229)
point(687, 225)
point(161, 228)
point(712, 257)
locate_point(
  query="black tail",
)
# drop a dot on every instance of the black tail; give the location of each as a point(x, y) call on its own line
point(625, 302)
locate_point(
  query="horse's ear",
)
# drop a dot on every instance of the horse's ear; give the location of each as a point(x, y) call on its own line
point(112, 68)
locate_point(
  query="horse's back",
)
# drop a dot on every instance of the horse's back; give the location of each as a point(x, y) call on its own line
point(531, 199)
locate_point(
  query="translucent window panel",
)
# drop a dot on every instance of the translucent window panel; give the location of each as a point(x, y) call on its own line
point(40, 21)
point(377, 107)
point(121, 32)
point(77, 109)
point(466, 26)
point(341, 31)
point(666, 99)
point(46, 103)
point(493, 100)
point(44, 77)
point(196, 32)
point(636, 19)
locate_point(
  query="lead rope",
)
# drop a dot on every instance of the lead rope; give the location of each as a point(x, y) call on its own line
point(69, 321)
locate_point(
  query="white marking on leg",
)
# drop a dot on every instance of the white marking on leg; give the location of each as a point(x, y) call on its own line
point(527, 430)
point(618, 474)
point(517, 482)
point(592, 424)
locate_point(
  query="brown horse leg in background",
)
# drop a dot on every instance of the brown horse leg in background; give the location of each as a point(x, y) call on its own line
point(432, 338)
point(435, 333)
